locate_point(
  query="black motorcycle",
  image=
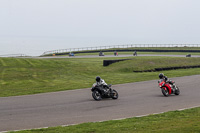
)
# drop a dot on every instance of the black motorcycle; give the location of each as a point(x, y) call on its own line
point(99, 92)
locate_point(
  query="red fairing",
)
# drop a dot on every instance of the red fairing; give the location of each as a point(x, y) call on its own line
point(169, 87)
point(166, 86)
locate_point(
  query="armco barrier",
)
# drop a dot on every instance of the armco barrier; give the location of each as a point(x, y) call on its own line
point(108, 62)
point(169, 68)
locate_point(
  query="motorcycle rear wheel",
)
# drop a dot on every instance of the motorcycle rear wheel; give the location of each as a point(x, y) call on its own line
point(96, 95)
point(114, 94)
point(177, 91)
point(165, 92)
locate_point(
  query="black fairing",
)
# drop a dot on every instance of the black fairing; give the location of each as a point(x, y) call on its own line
point(100, 89)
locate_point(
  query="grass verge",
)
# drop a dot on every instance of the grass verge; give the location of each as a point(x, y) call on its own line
point(22, 76)
point(186, 121)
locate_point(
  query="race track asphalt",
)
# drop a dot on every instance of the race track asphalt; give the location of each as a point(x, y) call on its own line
point(78, 106)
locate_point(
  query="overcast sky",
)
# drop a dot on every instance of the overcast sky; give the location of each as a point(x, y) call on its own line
point(34, 26)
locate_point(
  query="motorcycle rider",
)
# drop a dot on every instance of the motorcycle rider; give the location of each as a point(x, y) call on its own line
point(100, 81)
point(135, 53)
point(161, 76)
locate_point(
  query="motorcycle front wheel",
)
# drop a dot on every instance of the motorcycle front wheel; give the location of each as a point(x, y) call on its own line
point(114, 94)
point(165, 92)
point(96, 95)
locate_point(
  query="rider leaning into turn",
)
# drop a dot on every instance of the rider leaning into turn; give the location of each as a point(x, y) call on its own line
point(161, 76)
point(100, 81)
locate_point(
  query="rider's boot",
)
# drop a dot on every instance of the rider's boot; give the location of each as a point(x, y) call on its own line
point(106, 89)
point(111, 91)
point(174, 87)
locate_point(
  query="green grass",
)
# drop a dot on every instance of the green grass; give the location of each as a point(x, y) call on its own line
point(22, 76)
point(187, 121)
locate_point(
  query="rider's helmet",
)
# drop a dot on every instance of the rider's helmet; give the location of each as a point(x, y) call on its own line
point(98, 79)
point(161, 75)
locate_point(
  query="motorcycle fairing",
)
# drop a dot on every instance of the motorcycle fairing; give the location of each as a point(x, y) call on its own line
point(168, 87)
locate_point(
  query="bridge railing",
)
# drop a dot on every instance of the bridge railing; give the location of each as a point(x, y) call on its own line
point(118, 46)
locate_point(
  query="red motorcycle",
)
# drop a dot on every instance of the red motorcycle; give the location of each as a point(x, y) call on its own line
point(167, 88)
